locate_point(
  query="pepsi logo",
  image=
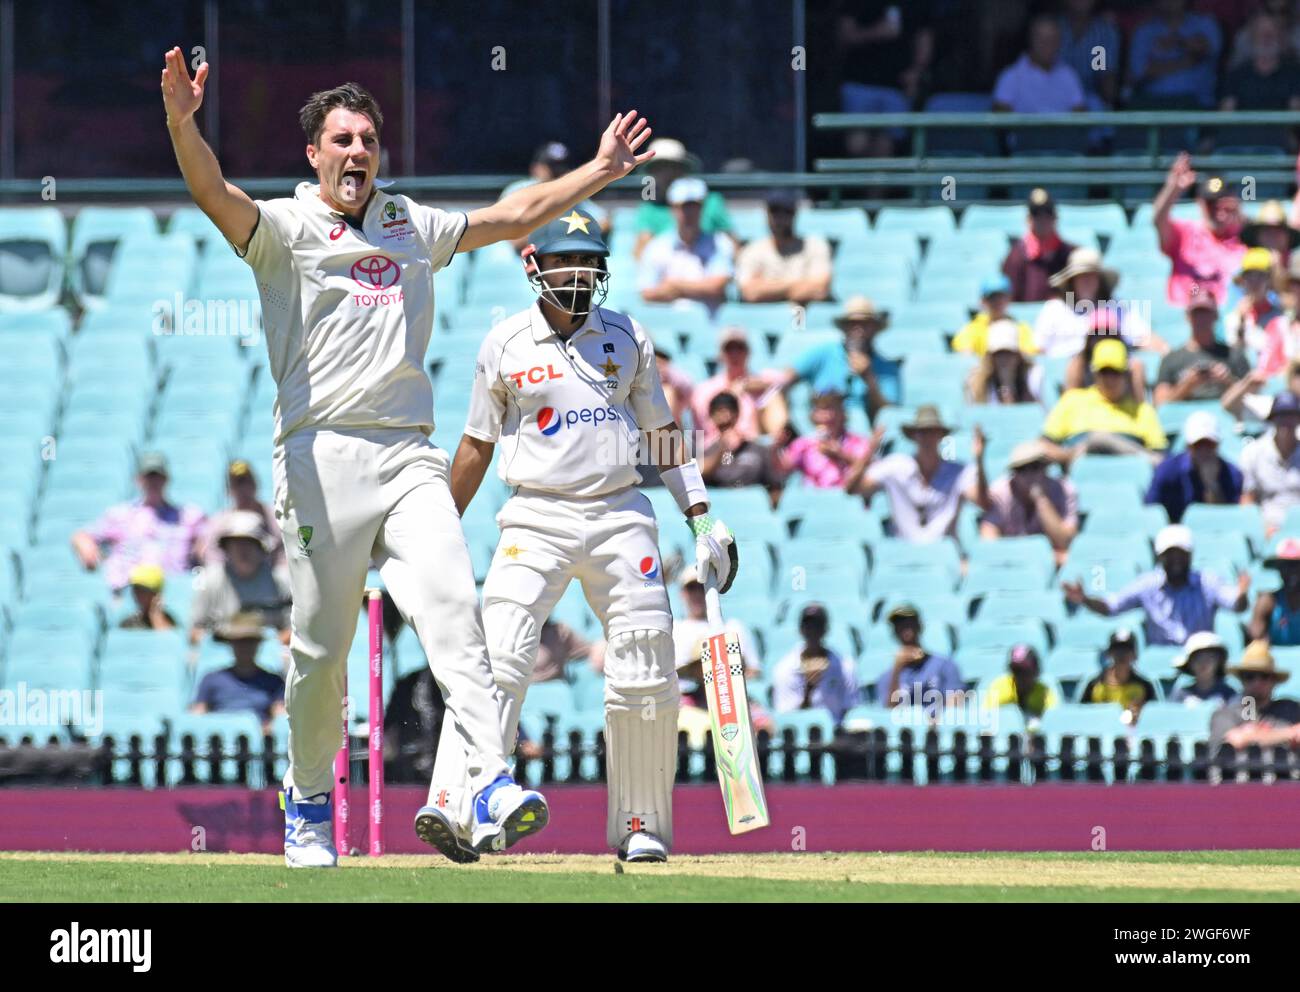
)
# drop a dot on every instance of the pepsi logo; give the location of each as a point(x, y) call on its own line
point(549, 420)
point(649, 568)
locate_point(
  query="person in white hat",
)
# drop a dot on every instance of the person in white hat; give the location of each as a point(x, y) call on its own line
point(1027, 500)
point(670, 162)
point(1198, 474)
point(1005, 374)
point(1084, 297)
point(1178, 601)
point(246, 583)
point(1205, 659)
point(687, 262)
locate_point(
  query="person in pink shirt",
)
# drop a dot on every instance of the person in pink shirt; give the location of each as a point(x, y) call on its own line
point(825, 455)
point(1206, 252)
point(148, 530)
point(758, 393)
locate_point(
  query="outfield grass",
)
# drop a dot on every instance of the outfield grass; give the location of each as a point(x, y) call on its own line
point(1195, 876)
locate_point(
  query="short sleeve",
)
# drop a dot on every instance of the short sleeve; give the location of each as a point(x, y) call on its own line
point(108, 527)
point(1249, 482)
point(714, 216)
point(1004, 91)
point(819, 256)
point(1057, 425)
point(646, 397)
point(1167, 373)
point(650, 271)
point(722, 262)
point(205, 691)
point(1152, 434)
point(488, 396)
point(748, 262)
point(967, 339)
point(272, 237)
point(442, 231)
point(950, 679)
point(1217, 592)
point(884, 469)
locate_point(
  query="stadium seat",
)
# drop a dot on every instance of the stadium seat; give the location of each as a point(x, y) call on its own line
point(834, 224)
point(233, 732)
point(1046, 605)
point(1244, 521)
point(1073, 667)
point(96, 233)
point(802, 723)
point(1006, 218)
point(33, 245)
point(553, 700)
point(924, 221)
point(1104, 218)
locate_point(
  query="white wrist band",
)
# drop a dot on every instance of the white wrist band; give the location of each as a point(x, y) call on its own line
point(686, 484)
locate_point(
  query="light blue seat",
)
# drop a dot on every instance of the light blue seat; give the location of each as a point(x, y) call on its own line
point(1144, 523)
point(1108, 497)
point(895, 553)
point(195, 223)
point(996, 579)
point(1073, 666)
point(1134, 469)
point(96, 232)
point(552, 699)
point(589, 724)
point(1012, 422)
point(144, 659)
point(1003, 635)
point(1161, 722)
point(1206, 519)
point(1032, 552)
point(1101, 720)
point(33, 245)
point(1106, 218)
point(947, 316)
point(1005, 218)
point(832, 223)
point(1046, 605)
point(925, 221)
point(152, 268)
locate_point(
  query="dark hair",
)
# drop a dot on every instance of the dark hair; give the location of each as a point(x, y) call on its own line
point(349, 96)
point(724, 399)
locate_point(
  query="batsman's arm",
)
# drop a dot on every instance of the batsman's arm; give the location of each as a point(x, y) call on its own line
point(473, 456)
point(667, 452)
point(527, 209)
point(229, 207)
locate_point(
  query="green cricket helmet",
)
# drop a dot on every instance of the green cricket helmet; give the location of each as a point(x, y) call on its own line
point(575, 289)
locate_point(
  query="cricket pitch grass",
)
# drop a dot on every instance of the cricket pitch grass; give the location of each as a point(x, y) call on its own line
point(1185, 876)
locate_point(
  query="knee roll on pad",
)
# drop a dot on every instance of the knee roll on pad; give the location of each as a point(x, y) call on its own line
point(641, 704)
point(512, 648)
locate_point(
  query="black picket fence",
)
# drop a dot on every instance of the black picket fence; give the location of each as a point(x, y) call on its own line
point(912, 757)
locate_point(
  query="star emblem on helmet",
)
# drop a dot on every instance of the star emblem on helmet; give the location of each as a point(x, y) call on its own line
point(576, 222)
point(609, 368)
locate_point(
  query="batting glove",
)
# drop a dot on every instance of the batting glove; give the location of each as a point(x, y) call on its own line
point(715, 550)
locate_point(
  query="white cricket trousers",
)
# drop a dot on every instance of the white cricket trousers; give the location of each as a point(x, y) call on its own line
point(342, 498)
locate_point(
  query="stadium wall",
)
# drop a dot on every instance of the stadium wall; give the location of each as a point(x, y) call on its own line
point(1045, 817)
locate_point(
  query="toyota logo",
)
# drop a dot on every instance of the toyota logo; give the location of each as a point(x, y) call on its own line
point(376, 272)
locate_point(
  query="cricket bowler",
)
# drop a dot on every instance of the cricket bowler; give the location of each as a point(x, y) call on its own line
point(571, 392)
point(345, 274)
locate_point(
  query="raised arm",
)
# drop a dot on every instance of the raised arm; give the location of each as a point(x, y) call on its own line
point(527, 209)
point(228, 207)
point(1181, 178)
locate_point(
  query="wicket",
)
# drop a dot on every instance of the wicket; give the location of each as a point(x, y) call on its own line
point(342, 759)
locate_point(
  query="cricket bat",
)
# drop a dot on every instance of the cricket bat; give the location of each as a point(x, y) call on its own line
point(723, 671)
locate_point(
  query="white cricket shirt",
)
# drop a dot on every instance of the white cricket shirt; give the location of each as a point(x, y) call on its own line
point(567, 414)
point(347, 311)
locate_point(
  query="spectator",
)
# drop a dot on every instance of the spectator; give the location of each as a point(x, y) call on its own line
point(731, 459)
point(1205, 253)
point(1039, 253)
point(1039, 82)
point(1084, 303)
point(1244, 399)
point(1083, 33)
point(678, 388)
point(146, 583)
point(853, 367)
point(1205, 659)
point(241, 486)
point(1022, 685)
point(1103, 418)
point(824, 457)
point(551, 161)
point(672, 162)
point(1120, 682)
point(1269, 230)
point(762, 407)
point(814, 676)
point(1276, 617)
point(1270, 78)
point(1079, 373)
point(995, 295)
point(148, 530)
point(885, 50)
point(242, 686)
point(1204, 368)
point(687, 263)
point(1270, 465)
point(1172, 57)
point(1283, 11)
point(784, 266)
point(1005, 374)
point(1177, 600)
point(1257, 307)
point(1029, 501)
point(925, 490)
point(1258, 718)
point(917, 677)
point(247, 584)
point(1198, 474)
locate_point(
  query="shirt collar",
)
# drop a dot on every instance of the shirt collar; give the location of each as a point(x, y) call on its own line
point(310, 192)
point(543, 330)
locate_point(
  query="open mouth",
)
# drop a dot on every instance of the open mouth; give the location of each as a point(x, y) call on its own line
point(353, 180)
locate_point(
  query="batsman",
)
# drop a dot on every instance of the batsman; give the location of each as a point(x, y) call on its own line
point(571, 392)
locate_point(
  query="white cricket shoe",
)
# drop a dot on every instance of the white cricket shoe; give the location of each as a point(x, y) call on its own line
point(505, 813)
point(309, 833)
point(642, 846)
